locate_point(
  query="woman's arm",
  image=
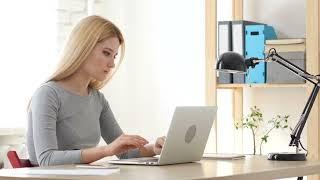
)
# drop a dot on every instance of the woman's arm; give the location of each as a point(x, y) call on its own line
point(44, 109)
point(121, 145)
point(93, 154)
point(110, 129)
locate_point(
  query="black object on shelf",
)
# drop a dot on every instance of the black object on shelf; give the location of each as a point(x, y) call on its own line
point(232, 62)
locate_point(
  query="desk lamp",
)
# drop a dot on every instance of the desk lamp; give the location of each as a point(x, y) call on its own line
point(232, 62)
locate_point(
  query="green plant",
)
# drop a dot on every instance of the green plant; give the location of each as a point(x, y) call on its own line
point(254, 121)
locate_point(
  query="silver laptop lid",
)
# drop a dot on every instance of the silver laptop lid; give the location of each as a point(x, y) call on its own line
point(188, 134)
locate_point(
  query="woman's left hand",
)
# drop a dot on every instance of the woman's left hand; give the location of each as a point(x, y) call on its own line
point(159, 144)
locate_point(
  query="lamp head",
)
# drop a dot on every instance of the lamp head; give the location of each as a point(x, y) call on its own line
point(231, 62)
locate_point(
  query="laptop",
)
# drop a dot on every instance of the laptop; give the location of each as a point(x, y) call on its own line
point(186, 139)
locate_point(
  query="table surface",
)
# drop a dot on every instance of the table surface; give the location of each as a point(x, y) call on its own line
point(251, 167)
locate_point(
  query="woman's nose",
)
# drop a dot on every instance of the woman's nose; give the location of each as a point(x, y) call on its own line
point(111, 64)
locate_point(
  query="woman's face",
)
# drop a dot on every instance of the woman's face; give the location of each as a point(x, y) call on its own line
point(101, 60)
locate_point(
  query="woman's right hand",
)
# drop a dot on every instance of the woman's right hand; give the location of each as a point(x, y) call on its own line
point(124, 143)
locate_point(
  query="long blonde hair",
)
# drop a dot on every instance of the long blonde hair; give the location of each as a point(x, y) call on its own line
point(82, 40)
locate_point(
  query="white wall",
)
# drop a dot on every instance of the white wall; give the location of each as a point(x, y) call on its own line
point(286, 16)
point(288, 19)
point(68, 14)
point(28, 43)
point(164, 61)
point(27, 52)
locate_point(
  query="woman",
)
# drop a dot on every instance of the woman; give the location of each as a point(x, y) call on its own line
point(67, 115)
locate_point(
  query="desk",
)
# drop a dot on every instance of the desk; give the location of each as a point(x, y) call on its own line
point(252, 167)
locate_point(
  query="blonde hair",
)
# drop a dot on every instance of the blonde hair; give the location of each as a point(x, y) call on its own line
point(82, 40)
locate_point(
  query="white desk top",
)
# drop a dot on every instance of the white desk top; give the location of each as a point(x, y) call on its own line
point(252, 167)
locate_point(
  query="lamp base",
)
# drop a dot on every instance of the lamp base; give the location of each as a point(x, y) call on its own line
point(287, 156)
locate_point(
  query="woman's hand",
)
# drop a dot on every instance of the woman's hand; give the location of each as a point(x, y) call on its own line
point(124, 143)
point(159, 144)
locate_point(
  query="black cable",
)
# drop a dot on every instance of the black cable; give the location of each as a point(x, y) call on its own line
point(303, 148)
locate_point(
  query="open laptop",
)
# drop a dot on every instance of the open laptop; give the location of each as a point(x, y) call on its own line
point(186, 138)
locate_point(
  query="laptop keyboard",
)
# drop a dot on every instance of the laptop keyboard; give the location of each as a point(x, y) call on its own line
point(145, 159)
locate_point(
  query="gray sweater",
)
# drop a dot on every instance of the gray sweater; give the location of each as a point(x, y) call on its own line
point(61, 123)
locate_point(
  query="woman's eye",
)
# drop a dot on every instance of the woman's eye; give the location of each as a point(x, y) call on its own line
point(106, 53)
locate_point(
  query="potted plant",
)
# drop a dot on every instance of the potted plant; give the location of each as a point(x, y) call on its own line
point(254, 122)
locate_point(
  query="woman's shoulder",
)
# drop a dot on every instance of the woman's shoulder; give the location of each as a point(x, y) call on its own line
point(46, 89)
point(97, 92)
point(46, 94)
point(100, 96)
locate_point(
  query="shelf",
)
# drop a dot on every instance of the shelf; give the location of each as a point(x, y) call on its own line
point(232, 86)
point(312, 47)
